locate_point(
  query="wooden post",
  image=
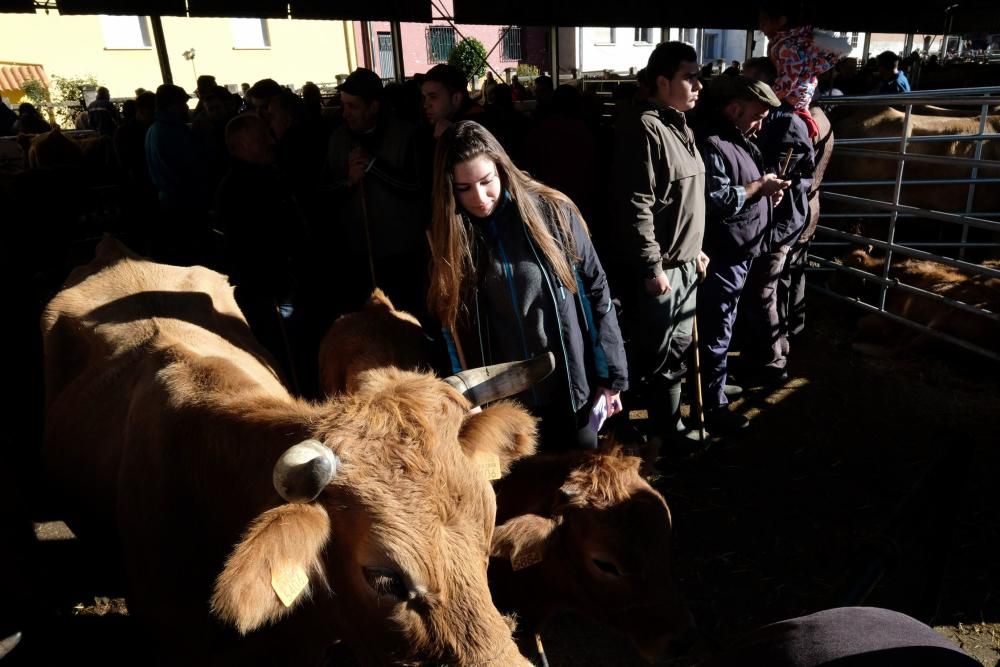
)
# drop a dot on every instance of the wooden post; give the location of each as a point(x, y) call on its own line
point(397, 51)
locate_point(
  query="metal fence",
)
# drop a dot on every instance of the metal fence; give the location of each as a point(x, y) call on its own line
point(604, 89)
point(830, 240)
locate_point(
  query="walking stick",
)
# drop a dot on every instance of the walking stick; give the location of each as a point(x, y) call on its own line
point(541, 650)
point(784, 164)
point(699, 405)
point(368, 233)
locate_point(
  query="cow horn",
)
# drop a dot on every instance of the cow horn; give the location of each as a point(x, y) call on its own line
point(304, 470)
point(491, 383)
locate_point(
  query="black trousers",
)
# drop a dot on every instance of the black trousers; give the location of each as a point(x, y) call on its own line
point(792, 291)
point(560, 429)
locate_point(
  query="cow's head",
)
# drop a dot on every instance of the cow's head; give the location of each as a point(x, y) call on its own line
point(389, 524)
point(604, 533)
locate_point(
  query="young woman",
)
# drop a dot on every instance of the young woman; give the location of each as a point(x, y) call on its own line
point(515, 275)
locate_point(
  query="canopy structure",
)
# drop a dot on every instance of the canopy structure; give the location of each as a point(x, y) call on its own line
point(926, 17)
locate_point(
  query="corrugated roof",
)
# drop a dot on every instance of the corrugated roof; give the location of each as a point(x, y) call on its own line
point(13, 75)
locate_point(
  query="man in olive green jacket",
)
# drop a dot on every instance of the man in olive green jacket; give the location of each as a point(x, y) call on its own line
point(660, 199)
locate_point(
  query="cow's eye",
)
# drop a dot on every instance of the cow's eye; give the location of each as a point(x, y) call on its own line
point(606, 567)
point(386, 582)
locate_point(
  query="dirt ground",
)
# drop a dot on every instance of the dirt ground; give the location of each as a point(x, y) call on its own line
point(862, 481)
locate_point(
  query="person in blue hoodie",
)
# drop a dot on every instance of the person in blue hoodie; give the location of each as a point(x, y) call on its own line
point(891, 80)
point(515, 275)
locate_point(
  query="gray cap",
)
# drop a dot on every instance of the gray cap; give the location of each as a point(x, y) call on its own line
point(727, 87)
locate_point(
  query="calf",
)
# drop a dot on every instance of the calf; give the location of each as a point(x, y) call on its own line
point(377, 336)
point(585, 532)
point(879, 335)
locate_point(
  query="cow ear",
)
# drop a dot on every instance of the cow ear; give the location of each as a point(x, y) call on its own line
point(273, 566)
point(504, 429)
point(523, 540)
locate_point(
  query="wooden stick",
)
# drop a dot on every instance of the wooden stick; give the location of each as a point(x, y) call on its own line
point(784, 166)
point(698, 401)
point(541, 650)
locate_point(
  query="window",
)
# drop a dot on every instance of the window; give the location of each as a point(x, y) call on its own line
point(510, 48)
point(644, 35)
point(250, 34)
point(851, 37)
point(125, 32)
point(603, 35)
point(711, 46)
point(386, 59)
point(440, 42)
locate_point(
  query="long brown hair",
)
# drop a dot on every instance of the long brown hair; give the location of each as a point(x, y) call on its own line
point(449, 235)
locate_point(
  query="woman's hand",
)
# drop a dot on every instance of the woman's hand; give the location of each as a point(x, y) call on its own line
point(612, 398)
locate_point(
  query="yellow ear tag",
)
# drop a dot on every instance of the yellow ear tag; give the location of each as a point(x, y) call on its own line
point(527, 557)
point(288, 581)
point(488, 464)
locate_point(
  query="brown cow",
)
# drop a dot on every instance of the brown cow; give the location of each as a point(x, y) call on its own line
point(888, 122)
point(573, 508)
point(585, 532)
point(349, 346)
point(879, 335)
point(168, 431)
point(55, 150)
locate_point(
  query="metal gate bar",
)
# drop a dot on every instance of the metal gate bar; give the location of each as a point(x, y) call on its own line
point(985, 98)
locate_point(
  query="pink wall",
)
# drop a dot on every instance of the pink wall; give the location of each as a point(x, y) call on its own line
point(415, 50)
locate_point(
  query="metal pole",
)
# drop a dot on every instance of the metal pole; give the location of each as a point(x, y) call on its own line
point(890, 238)
point(485, 61)
point(161, 49)
point(867, 48)
point(348, 41)
point(554, 46)
point(975, 172)
point(748, 52)
point(397, 51)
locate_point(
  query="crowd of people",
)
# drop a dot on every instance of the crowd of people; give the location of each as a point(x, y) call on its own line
point(509, 234)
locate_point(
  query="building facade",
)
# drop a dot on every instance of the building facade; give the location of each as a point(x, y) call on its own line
point(427, 44)
point(119, 51)
point(592, 50)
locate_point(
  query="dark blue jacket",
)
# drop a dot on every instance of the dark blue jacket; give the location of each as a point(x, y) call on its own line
point(735, 227)
point(509, 316)
point(784, 130)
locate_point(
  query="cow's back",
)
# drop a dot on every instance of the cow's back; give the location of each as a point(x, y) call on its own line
point(123, 329)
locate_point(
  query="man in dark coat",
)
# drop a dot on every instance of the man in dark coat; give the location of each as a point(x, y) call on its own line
point(739, 197)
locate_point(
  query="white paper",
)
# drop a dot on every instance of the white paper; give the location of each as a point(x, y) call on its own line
point(599, 413)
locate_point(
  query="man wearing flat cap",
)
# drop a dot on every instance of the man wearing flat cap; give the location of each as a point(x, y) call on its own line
point(739, 197)
point(372, 169)
point(787, 149)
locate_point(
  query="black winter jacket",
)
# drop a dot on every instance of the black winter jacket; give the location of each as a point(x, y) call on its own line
point(509, 315)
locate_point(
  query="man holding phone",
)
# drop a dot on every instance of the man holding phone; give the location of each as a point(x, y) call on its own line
point(740, 195)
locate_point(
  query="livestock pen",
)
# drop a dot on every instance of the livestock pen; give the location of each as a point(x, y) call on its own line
point(940, 206)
